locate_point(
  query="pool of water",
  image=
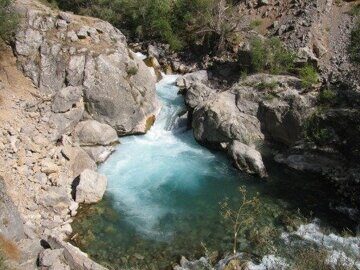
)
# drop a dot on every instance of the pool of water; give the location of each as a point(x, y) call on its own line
point(163, 197)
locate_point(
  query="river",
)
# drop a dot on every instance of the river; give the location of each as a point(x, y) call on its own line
point(163, 197)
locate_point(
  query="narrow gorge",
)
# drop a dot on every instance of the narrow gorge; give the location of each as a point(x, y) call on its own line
point(230, 143)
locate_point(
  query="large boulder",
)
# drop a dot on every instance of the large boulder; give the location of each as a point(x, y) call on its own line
point(278, 102)
point(247, 158)
point(120, 91)
point(93, 133)
point(196, 94)
point(56, 53)
point(218, 120)
point(187, 80)
point(91, 187)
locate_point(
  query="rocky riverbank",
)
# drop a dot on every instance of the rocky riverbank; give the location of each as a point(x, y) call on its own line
point(71, 86)
point(308, 128)
point(84, 88)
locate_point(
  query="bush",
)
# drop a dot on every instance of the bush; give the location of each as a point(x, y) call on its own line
point(327, 96)
point(316, 131)
point(308, 76)
point(8, 21)
point(354, 47)
point(266, 85)
point(271, 56)
point(255, 23)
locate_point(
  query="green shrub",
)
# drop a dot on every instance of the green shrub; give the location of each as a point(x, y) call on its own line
point(8, 21)
point(266, 85)
point(271, 56)
point(327, 96)
point(316, 131)
point(255, 23)
point(132, 71)
point(354, 47)
point(308, 76)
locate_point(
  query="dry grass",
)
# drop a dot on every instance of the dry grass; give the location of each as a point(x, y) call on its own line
point(8, 250)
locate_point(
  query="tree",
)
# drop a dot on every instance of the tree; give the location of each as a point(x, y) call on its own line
point(240, 218)
point(215, 24)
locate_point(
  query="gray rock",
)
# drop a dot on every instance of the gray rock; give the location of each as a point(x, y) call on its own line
point(246, 158)
point(52, 68)
point(64, 123)
point(201, 264)
point(119, 87)
point(75, 70)
point(28, 42)
point(65, 16)
point(124, 101)
point(56, 199)
point(11, 224)
point(78, 160)
point(93, 133)
point(82, 33)
point(187, 80)
point(153, 51)
point(53, 259)
point(99, 153)
point(73, 256)
point(66, 98)
point(196, 94)
point(72, 36)
point(218, 120)
point(91, 187)
point(61, 24)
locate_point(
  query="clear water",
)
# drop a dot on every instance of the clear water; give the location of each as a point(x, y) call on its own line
point(164, 192)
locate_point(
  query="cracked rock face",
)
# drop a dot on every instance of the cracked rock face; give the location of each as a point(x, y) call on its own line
point(62, 53)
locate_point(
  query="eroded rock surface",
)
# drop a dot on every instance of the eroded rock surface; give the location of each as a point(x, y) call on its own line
point(63, 56)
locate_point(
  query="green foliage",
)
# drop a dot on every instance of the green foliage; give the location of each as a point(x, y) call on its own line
point(181, 23)
point(132, 71)
point(266, 85)
point(354, 47)
point(327, 96)
point(8, 21)
point(271, 56)
point(308, 76)
point(315, 131)
point(355, 11)
point(242, 217)
point(255, 23)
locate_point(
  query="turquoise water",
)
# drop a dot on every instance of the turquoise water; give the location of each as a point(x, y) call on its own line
point(164, 192)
